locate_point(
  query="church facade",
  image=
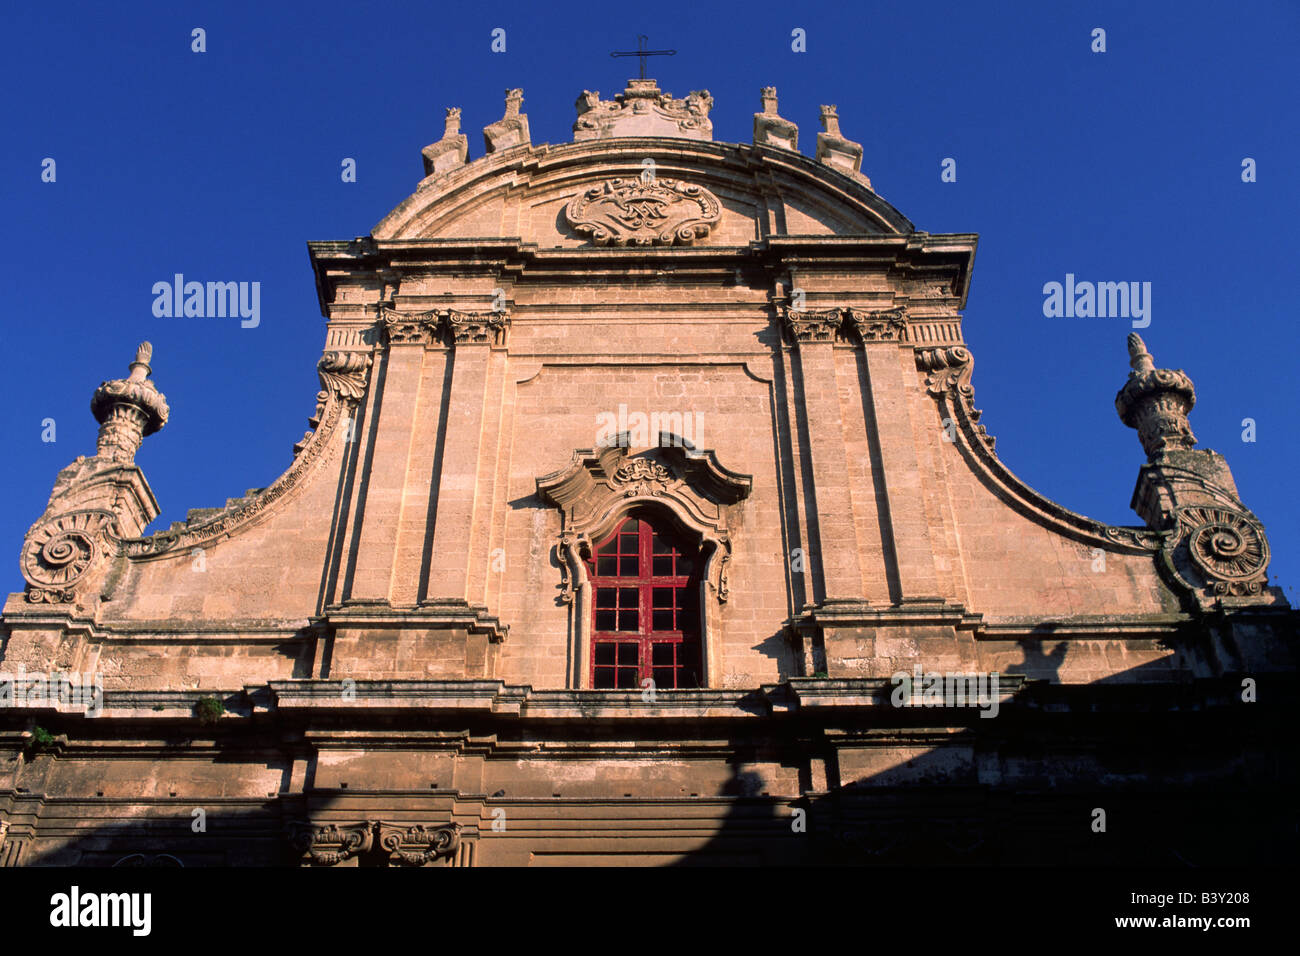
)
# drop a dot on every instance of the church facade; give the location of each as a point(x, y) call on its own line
point(646, 517)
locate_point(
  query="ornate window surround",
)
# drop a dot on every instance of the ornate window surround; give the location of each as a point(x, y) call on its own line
point(601, 486)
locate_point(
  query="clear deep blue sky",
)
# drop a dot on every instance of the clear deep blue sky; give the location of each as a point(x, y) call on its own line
point(1122, 166)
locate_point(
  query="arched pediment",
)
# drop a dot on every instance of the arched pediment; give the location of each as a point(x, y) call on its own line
point(529, 192)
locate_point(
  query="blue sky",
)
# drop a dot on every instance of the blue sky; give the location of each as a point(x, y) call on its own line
point(1115, 166)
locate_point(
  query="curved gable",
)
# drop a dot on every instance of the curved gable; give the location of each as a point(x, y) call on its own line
point(523, 193)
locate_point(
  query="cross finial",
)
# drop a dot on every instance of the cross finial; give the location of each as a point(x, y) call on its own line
point(642, 52)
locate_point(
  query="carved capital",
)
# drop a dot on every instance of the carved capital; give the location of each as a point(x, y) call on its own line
point(657, 212)
point(478, 328)
point(889, 325)
point(405, 845)
point(330, 844)
point(417, 845)
point(409, 328)
point(821, 326)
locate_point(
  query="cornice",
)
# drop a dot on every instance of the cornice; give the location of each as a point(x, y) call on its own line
point(948, 375)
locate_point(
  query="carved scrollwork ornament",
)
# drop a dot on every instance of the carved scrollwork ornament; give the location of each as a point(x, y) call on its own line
point(1226, 547)
point(49, 596)
point(950, 368)
point(950, 371)
point(660, 212)
point(59, 553)
point(1135, 537)
point(344, 374)
point(643, 476)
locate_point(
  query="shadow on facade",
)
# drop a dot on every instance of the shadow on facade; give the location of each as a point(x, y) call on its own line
point(1184, 773)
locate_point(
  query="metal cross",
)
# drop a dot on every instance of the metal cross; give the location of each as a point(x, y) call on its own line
point(642, 52)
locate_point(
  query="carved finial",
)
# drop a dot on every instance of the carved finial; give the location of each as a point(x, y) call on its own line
point(128, 409)
point(769, 128)
point(509, 131)
point(836, 151)
point(140, 367)
point(450, 151)
point(1139, 358)
point(1156, 401)
point(830, 120)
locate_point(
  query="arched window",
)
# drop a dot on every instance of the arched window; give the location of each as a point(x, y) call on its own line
point(646, 612)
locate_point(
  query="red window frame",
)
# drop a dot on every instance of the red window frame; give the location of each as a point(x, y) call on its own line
point(645, 608)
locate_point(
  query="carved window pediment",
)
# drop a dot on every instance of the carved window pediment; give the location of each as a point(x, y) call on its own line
point(599, 484)
point(600, 487)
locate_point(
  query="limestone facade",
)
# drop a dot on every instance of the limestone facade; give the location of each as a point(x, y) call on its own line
point(753, 351)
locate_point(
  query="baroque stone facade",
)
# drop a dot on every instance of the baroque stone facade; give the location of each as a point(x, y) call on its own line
point(433, 640)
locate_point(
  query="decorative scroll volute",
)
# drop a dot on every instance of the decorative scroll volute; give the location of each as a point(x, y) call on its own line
point(949, 380)
point(1227, 547)
point(660, 212)
point(58, 554)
